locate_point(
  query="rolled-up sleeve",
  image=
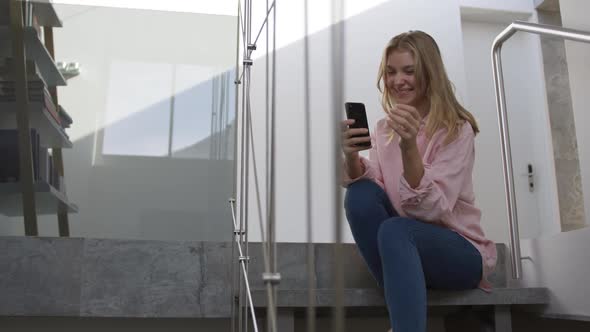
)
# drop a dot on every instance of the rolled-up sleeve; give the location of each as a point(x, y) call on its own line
point(433, 200)
point(370, 166)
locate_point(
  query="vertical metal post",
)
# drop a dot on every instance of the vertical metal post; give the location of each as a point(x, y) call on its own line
point(337, 56)
point(19, 74)
point(247, 181)
point(234, 296)
point(267, 118)
point(242, 313)
point(507, 166)
point(248, 128)
point(274, 278)
point(243, 196)
point(267, 166)
point(311, 283)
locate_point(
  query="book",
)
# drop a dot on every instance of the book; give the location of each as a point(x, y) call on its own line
point(44, 165)
point(35, 145)
point(7, 65)
point(37, 92)
point(50, 170)
point(34, 20)
point(53, 174)
point(9, 165)
point(51, 107)
point(66, 119)
point(9, 155)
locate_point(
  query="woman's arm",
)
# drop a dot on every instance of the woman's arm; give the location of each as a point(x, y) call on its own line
point(435, 196)
point(405, 121)
point(357, 167)
point(413, 167)
point(353, 166)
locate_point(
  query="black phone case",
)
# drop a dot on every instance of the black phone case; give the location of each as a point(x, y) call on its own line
point(357, 112)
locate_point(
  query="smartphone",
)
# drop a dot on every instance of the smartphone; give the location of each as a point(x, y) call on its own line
point(356, 111)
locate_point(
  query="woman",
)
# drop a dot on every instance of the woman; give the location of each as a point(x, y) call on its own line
point(410, 206)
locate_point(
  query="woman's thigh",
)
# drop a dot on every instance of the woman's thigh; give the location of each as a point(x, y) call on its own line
point(448, 260)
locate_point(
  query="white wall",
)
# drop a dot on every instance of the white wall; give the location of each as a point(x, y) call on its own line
point(574, 16)
point(559, 262)
point(512, 6)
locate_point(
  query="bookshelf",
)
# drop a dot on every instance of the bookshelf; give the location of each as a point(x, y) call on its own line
point(31, 117)
point(46, 197)
point(47, 17)
point(51, 131)
point(36, 51)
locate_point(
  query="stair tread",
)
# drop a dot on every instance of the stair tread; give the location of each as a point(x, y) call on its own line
point(358, 297)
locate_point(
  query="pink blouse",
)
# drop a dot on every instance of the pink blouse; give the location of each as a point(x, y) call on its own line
point(445, 194)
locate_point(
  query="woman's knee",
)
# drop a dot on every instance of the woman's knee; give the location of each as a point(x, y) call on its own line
point(361, 194)
point(395, 229)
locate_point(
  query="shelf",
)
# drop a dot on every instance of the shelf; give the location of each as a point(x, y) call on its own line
point(46, 14)
point(51, 133)
point(46, 199)
point(35, 51)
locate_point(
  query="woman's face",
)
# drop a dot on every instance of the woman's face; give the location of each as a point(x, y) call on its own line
point(400, 77)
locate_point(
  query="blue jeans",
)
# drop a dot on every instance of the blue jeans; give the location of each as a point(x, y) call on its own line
point(407, 256)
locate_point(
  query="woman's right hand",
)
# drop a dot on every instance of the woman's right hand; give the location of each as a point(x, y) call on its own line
point(349, 143)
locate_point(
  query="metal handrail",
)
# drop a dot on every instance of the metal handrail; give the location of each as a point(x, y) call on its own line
point(540, 29)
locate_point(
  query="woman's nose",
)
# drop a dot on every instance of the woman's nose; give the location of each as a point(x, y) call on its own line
point(394, 80)
point(398, 80)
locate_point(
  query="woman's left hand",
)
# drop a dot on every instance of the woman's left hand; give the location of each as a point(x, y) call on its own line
point(405, 120)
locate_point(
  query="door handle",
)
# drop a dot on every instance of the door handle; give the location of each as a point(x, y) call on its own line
point(531, 176)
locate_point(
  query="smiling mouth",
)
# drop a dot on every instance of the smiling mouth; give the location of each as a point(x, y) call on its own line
point(404, 92)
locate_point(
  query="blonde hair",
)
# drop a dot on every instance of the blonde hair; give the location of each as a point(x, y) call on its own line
point(432, 83)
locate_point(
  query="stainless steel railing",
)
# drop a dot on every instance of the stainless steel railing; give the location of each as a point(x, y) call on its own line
point(242, 260)
point(540, 29)
point(271, 277)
